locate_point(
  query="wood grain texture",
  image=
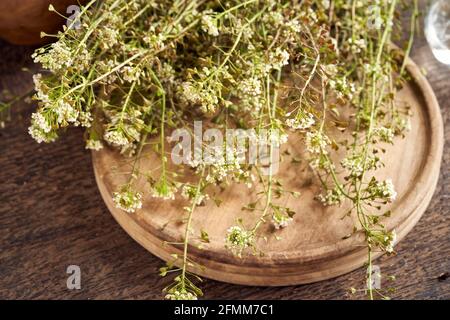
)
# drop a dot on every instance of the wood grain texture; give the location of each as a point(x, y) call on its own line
point(52, 215)
point(312, 248)
point(21, 21)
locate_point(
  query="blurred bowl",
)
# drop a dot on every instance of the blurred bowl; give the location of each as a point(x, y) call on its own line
point(21, 21)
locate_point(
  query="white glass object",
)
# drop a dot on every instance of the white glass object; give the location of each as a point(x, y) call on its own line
point(437, 29)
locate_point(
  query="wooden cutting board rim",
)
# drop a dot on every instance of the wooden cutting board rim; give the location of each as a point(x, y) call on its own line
point(228, 268)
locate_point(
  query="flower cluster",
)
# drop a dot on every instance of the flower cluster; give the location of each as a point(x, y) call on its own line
point(384, 239)
point(181, 295)
point(190, 192)
point(135, 70)
point(385, 134)
point(383, 190)
point(332, 197)
point(56, 58)
point(316, 142)
point(128, 200)
point(280, 221)
point(238, 239)
point(209, 24)
point(93, 144)
point(303, 122)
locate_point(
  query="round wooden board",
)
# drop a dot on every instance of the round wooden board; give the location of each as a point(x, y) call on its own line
point(312, 248)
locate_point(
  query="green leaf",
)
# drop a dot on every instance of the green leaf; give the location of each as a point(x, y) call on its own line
point(163, 271)
point(204, 236)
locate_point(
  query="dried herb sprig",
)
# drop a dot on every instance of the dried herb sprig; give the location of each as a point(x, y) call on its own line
point(138, 69)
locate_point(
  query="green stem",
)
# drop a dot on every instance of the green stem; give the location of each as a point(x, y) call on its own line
point(163, 120)
point(188, 227)
point(369, 271)
point(235, 8)
point(271, 108)
point(375, 77)
point(236, 43)
point(373, 110)
point(127, 101)
point(414, 16)
point(103, 76)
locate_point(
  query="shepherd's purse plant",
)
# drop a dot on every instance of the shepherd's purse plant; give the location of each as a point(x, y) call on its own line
point(133, 71)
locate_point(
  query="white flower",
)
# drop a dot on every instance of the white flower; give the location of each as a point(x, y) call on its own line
point(37, 80)
point(357, 45)
point(284, 138)
point(131, 74)
point(40, 122)
point(354, 164)
point(238, 239)
point(301, 123)
point(92, 144)
point(55, 59)
point(275, 138)
point(116, 138)
point(279, 58)
point(85, 119)
point(372, 69)
point(276, 18)
point(108, 37)
point(41, 128)
point(311, 14)
point(389, 190)
point(391, 240)
point(331, 70)
point(163, 191)
point(65, 113)
point(316, 142)
point(332, 197)
point(209, 25)
point(294, 26)
point(190, 93)
point(383, 190)
point(326, 4)
point(280, 221)
point(251, 86)
point(385, 134)
point(375, 20)
point(189, 192)
point(180, 295)
point(128, 200)
point(41, 136)
point(404, 124)
point(155, 41)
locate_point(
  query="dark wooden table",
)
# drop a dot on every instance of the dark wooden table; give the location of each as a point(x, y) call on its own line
point(52, 216)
